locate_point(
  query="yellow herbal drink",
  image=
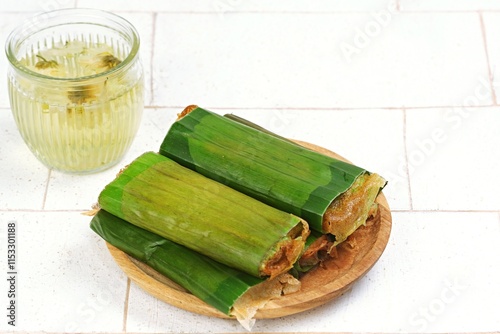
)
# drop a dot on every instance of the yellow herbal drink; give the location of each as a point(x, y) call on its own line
point(76, 87)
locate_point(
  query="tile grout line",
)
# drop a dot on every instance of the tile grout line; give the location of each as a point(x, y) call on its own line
point(406, 158)
point(445, 211)
point(43, 210)
point(125, 307)
point(151, 106)
point(323, 108)
point(485, 44)
point(49, 174)
point(448, 11)
point(271, 11)
point(310, 12)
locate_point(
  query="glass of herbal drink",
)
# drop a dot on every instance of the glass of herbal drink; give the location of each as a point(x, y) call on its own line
point(76, 87)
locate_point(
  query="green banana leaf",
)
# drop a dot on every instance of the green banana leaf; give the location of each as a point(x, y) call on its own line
point(214, 283)
point(262, 165)
point(163, 197)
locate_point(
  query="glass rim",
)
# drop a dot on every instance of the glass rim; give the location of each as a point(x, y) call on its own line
point(49, 19)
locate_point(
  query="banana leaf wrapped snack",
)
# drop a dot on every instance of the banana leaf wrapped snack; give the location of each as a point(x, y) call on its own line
point(333, 196)
point(178, 204)
point(232, 212)
point(230, 291)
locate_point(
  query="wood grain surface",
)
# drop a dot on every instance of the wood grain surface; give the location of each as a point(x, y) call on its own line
point(355, 258)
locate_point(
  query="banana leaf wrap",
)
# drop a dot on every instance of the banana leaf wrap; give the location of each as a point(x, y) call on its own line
point(163, 197)
point(273, 169)
point(214, 283)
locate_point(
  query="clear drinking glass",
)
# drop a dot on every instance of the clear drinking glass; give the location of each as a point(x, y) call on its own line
point(76, 87)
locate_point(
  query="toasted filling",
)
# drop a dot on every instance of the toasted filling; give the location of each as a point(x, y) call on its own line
point(351, 209)
point(320, 249)
point(186, 111)
point(245, 308)
point(287, 251)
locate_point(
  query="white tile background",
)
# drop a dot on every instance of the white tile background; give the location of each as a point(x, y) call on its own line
point(406, 88)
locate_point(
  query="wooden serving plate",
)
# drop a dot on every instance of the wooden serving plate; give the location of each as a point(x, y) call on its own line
point(355, 258)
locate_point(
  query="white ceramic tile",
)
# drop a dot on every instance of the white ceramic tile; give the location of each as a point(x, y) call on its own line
point(281, 65)
point(147, 314)
point(80, 192)
point(372, 139)
point(492, 30)
point(223, 6)
point(22, 176)
point(411, 278)
point(250, 60)
point(37, 5)
point(454, 158)
point(66, 279)
point(449, 5)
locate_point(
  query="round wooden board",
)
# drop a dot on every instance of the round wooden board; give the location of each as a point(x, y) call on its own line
point(355, 258)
